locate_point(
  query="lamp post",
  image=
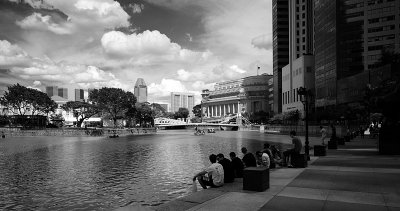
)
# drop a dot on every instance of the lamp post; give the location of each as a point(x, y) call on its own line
point(306, 93)
point(204, 94)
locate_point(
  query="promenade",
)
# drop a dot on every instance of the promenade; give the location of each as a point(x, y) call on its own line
point(353, 177)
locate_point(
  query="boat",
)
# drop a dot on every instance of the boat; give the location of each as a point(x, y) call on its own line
point(113, 136)
point(199, 132)
point(211, 130)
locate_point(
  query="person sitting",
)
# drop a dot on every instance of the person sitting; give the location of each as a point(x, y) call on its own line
point(237, 165)
point(269, 153)
point(215, 174)
point(263, 159)
point(248, 159)
point(229, 174)
point(287, 155)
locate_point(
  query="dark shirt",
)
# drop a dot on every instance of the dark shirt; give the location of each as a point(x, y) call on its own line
point(249, 160)
point(237, 165)
point(229, 174)
point(297, 144)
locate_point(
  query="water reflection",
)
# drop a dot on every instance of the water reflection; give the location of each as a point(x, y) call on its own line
point(68, 173)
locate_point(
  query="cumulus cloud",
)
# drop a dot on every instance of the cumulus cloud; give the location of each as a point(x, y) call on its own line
point(136, 8)
point(37, 21)
point(165, 88)
point(262, 42)
point(23, 65)
point(118, 44)
point(11, 55)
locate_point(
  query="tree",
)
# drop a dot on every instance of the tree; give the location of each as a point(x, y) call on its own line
point(20, 99)
point(182, 113)
point(144, 114)
point(113, 101)
point(197, 110)
point(159, 111)
point(81, 110)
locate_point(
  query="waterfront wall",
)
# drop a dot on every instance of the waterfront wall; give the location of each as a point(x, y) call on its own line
point(78, 132)
point(300, 130)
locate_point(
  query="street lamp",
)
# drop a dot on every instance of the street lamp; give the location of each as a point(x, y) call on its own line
point(204, 94)
point(306, 93)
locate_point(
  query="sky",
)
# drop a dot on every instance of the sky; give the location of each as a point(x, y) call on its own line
point(174, 45)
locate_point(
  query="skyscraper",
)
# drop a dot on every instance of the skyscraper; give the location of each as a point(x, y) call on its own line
point(182, 100)
point(349, 39)
point(51, 91)
point(140, 91)
point(299, 72)
point(63, 92)
point(280, 24)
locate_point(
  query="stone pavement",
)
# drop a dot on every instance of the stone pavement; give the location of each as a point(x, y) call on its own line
point(354, 177)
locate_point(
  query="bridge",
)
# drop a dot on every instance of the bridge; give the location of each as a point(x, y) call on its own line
point(226, 124)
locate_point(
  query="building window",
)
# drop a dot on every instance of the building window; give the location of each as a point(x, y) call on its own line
point(304, 47)
point(304, 39)
point(304, 23)
point(297, 9)
point(304, 31)
point(303, 7)
point(303, 15)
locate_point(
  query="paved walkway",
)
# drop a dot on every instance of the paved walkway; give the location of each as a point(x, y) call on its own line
point(354, 177)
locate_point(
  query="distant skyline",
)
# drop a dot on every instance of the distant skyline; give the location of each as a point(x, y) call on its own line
point(174, 45)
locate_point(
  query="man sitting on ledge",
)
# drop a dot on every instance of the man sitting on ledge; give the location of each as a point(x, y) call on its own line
point(215, 174)
point(287, 155)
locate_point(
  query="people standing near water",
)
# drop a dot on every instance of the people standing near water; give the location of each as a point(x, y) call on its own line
point(287, 155)
point(229, 174)
point(248, 159)
point(212, 176)
point(237, 165)
point(323, 134)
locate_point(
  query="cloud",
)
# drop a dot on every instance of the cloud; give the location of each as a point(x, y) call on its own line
point(136, 8)
point(38, 22)
point(165, 88)
point(26, 67)
point(262, 42)
point(190, 38)
point(11, 55)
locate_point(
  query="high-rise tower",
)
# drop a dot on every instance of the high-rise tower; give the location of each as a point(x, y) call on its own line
point(140, 90)
point(280, 24)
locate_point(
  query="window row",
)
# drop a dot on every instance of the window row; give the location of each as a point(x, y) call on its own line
point(291, 96)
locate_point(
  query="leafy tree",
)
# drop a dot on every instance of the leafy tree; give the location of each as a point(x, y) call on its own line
point(170, 115)
point(20, 99)
point(144, 114)
point(182, 113)
point(197, 110)
point(81, 110)
point(113, 101)
point(159, 111)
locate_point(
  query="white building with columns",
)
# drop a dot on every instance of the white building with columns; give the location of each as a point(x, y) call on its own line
point(248, 94)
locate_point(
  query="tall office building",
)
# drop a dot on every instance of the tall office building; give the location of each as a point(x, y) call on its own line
point(349, 38)
point(140, 91)
point(79, 95)
point(280, 24)
point(63, 92)
point(182, 100)
point(52, 91)
point(299, 72)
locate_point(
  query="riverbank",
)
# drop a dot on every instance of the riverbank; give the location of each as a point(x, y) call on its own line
point(106, 132)
point(353, 177)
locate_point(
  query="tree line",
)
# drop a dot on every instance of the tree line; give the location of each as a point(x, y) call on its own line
point(108, 103)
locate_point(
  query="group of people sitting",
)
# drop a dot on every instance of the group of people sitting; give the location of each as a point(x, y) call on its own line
point(223, 170)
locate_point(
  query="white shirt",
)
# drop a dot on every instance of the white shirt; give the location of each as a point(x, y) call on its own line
point(323, 132)
point(265, 160)
point(217, 173)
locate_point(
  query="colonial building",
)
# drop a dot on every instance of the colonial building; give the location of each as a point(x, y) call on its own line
point(250, 95)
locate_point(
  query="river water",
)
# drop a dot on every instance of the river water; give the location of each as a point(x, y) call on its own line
point(97, 173)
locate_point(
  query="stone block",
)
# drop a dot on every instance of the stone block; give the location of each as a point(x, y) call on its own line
point(319, 150)
point(299, 160)
point(256, 178)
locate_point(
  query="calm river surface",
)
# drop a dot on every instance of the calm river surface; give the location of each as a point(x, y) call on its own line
point(71, 173)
